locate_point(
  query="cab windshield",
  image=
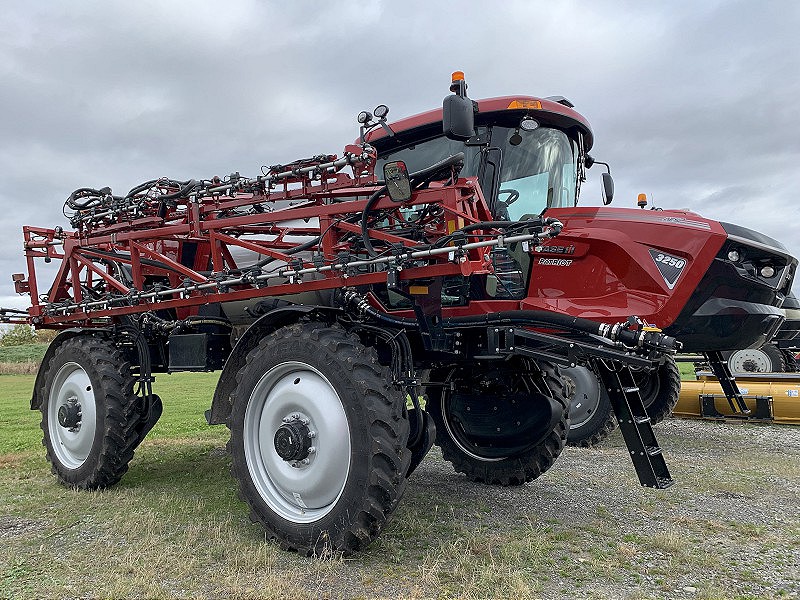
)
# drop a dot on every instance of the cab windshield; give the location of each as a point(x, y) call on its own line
point(539, 167)
point(539, 171)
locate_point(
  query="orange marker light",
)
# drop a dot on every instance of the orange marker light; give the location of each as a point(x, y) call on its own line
point(642, 200)
point(458, 76)
point(531, 104)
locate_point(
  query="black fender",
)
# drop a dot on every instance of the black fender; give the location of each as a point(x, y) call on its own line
point(38, 384)
point(222, 402)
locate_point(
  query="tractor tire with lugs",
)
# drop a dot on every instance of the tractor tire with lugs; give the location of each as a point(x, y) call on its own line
point(505, 425)
point(89, 412)
point(318, 439)
point(660, 389)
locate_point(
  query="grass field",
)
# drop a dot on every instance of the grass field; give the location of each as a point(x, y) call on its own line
point(174, 527)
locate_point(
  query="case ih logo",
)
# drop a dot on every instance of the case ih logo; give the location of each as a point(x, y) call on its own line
point(555, 262)
point(669, 266)
point(555, 249)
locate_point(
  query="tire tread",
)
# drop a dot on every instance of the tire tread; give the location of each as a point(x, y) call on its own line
point(388, 430)
point(115, 401)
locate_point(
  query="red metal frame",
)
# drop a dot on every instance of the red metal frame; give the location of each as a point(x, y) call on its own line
point(263, 222)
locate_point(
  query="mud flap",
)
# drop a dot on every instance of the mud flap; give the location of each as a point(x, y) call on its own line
point(154, 412)
point(421, 448)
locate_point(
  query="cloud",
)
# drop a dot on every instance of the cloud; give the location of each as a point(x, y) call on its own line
point(691, 103)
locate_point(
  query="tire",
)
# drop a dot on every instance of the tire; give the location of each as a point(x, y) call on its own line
point(89, 412)
point(591, 418)
point(766, 359)
point(524, 448)
point(307, 378)
point(660, 389)
point(790, 361)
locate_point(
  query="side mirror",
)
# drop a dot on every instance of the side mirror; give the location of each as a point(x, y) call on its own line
point(458, 114)
point(608, 188)
point(398, 185)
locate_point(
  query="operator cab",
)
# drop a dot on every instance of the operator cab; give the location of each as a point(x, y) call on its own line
point(538, 167)
point(529, 154)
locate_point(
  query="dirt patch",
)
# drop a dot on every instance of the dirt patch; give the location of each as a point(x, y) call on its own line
point(11, 461)
point(13, 527)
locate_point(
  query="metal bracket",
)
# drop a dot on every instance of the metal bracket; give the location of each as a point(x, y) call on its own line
point(763, 411)
point(505, 340)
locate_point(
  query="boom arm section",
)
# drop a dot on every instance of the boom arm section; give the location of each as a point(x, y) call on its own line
point(301, 227)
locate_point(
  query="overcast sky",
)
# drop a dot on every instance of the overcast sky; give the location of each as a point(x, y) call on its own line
point(693, 103)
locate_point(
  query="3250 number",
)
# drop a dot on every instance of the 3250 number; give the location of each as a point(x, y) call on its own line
point(678, 263)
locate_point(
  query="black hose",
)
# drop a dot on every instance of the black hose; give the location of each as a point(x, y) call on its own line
point(435, 168)
point(422, 176)
point(535, 318)
point(401, 353)
point(444, 240)
point(290, 251)
point(200, 320)
point(91, 198)
point(142, 187)
point(509, 317)
point(365, 217)
point(184, 190)
point(145, 388)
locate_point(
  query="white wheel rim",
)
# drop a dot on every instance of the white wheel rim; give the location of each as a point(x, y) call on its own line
point(751, 360)
point(298, 491)
point(71, 445)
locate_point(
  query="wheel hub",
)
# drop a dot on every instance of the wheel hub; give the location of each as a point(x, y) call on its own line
point(69, 414)
point(292, 441)
point(750, 366)
point(583, 391)
point(750, 360)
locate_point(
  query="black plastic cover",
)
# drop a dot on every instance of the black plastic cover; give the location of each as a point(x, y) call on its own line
point(198, 351)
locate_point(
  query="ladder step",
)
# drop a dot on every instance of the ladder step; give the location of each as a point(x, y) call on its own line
point(634, 423)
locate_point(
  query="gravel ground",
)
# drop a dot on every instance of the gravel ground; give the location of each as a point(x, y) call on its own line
point(728, 528)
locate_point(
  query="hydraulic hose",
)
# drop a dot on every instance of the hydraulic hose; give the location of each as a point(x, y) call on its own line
point(421, 177)
point(616, 333)
point(84, 198)
point(184, 190)
point(143, 187)
point(364, 218)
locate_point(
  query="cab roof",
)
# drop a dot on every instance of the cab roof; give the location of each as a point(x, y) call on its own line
point(547, 111)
